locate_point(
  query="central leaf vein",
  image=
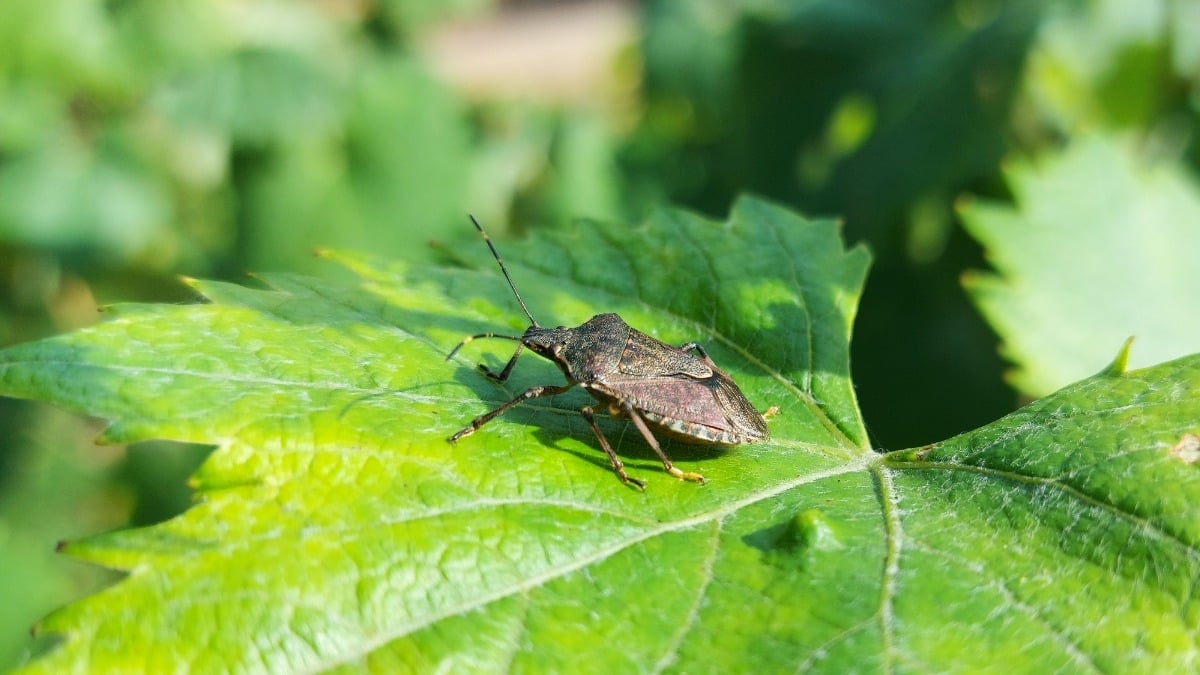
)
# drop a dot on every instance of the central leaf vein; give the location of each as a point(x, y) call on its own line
point(600, 554)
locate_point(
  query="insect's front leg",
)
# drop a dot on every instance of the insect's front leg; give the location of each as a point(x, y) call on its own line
point(532, 392)
point(503, 374)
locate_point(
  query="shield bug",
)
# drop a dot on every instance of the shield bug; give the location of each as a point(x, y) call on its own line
point(676, 391)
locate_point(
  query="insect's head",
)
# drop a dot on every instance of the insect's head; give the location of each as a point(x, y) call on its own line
point(546, 342)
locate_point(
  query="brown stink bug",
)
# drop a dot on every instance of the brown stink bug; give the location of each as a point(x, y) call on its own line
point(677, 391)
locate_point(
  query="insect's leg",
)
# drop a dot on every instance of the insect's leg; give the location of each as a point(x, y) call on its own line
point(640, 423)
point(696, 346)
point(532, 392)
point(503, 374)
point(617, 466)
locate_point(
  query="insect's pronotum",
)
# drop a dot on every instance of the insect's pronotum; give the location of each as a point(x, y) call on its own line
point(677, 391)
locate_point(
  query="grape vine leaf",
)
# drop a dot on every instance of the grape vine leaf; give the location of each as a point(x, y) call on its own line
point(1089, 255)
point(336, 530)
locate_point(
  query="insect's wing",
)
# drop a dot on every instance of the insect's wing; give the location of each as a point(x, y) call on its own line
point(742, 416)
point(681, 398)
point(710, 410)
point(645, 356)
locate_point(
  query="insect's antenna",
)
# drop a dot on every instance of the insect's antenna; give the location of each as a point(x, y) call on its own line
point(476, 337)
point(503, 269)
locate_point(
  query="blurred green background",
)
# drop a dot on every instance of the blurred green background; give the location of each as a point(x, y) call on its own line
point(144, 139)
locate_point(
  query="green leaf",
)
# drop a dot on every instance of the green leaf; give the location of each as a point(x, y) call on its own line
point(1113, 65)
point(337, 530)
point(1093, 252)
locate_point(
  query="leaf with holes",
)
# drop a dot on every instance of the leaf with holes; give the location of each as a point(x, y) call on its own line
point(337, 530)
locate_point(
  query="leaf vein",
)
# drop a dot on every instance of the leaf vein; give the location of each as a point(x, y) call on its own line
point(1139, 522)
point(670, 652)
point(894, 533)
point(1012, 600)
point(556, 572)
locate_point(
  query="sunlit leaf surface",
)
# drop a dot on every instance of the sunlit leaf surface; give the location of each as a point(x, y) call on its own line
point(336, 529)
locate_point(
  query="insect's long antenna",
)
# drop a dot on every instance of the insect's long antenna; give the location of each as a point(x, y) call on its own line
point(503, 269)
point(476, 337)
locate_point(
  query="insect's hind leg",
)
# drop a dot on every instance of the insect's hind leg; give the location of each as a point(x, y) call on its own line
point(617, 466)
point(636, 418)
point(695, 346)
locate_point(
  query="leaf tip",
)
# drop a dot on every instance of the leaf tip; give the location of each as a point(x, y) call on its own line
point(1120, 364)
